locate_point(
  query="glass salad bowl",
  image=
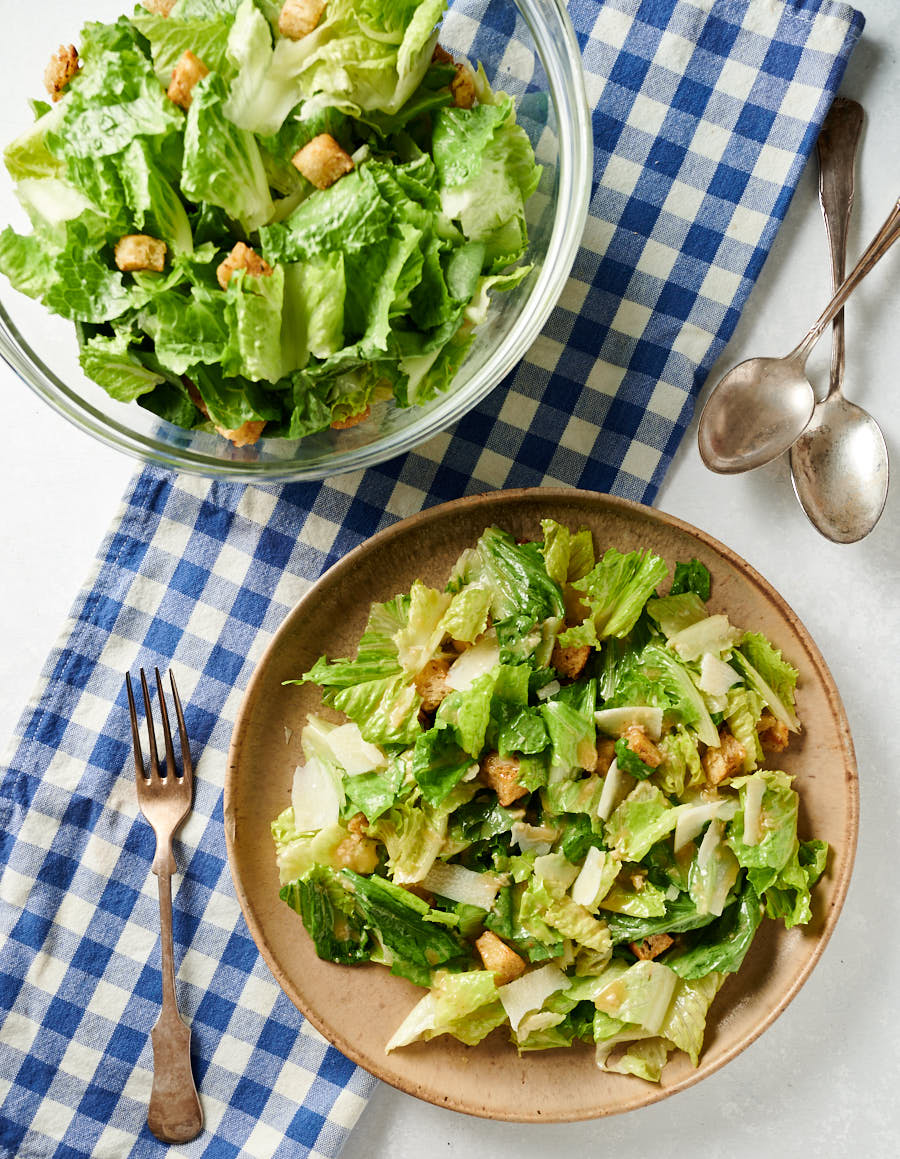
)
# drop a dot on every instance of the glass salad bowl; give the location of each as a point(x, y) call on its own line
point(529, 51)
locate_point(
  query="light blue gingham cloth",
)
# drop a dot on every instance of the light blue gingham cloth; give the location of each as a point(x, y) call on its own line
point(704, 113)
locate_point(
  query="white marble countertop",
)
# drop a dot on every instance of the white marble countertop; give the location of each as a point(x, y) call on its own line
point(824, 1078)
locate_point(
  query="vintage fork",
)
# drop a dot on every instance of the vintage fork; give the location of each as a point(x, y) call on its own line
point(174, 1114)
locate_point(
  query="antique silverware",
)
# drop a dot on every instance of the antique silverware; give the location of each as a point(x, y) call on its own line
point(839, 465)
point(174, 1114)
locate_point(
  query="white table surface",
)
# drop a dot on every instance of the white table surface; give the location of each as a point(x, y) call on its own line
point(824, 1078)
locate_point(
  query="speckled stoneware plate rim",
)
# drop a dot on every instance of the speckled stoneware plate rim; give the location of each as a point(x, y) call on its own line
point(441, 1072)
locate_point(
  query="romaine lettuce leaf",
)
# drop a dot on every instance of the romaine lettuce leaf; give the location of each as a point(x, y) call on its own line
point(615, 591)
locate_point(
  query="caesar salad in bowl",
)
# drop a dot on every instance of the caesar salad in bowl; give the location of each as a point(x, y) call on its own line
point(265, 241)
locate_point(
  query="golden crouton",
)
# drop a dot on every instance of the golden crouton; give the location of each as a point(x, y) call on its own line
point(358, 824)
point(606, 753)
point(441, 55)
point(773, 734)
point(502, 775)
point(159, 7)
point(432, 684)
point(725, 761)
point(246, 434)
point(322, 161)
point(137, 251)
point(463, 87)
point(570, 661)
point(351, 420)
point(642, 746)
point(299, 17)
point(62, 67)
point(242, 257)
point(357, 853)
point(651, 947)
point(504, 963)
point(186, 73)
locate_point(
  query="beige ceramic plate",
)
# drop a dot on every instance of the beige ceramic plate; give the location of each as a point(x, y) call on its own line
point(358, 1008)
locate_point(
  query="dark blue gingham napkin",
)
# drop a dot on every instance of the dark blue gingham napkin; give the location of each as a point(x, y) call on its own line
point(704, 113)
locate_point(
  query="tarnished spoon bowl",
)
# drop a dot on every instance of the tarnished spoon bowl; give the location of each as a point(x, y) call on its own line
point(839, 467)
point(756, 412)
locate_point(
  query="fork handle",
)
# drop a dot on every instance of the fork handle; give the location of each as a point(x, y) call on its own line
point(174, 1114)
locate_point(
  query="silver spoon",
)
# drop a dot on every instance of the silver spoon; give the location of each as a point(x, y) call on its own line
point(762, 406)
point(839, 465)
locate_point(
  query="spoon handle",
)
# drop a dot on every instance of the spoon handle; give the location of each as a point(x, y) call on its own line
point(878, 247)
point(836, 149)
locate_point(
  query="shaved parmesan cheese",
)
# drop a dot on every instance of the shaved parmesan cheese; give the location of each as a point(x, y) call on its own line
point(691, 819)
point(315, 796)
point(529, 993)
point(463, 885)
point(548, 690)
point(474, 662)
point(753, 795)
point(588, 883)
point(614, 721)
point(615, 785)
point(716, 677)
point(352, 753)
point(555, 869)
point(712, 634)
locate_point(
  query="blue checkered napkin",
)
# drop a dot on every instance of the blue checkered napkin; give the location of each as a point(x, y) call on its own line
point(703, 115)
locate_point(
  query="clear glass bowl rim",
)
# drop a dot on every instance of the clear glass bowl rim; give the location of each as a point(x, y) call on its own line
point(555, 41)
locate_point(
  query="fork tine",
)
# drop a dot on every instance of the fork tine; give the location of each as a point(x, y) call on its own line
point(167, 732)
point(151, 735)
point(135, 735)
point(187, 768)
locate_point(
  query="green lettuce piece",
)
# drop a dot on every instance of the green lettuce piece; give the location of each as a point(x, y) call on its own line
point(349, 216)
point(360, 57)
point(110, 363)
point(765, 669)
point(117, 99)
point(574, 921)
point(567, 556)
point(692, 576)
point(222, 163)
point(464, 1005)
point(674, 612)
point(639, 995)
point(723, 944)
point(418, 639)
point(188, 330)
point(313, 318)
point(467, 713)
point(296, 853)
point(629, 761)
point(571, 796)
point(742, 713)
point(674, 917)
point(439, 764)
point(657, 677)
point(386, 710)
point(84, 288)
point(648, 902)
point(569, 721)
point(376, 654)
point(374, 793)
point(29, 156)
point(406, 926)
point(28, 261)
point(788, 897)
point(514, 918)
point(253, 312)
point(329, 914)
point(643, 818)
point(685, 1021)
point(713, 872)
point(157, 208)
point(467, 614)
point(206, 35)
point(615, 591)
point(681, 764)
point(231, 402)
point(488, 172)
point(777, 822)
